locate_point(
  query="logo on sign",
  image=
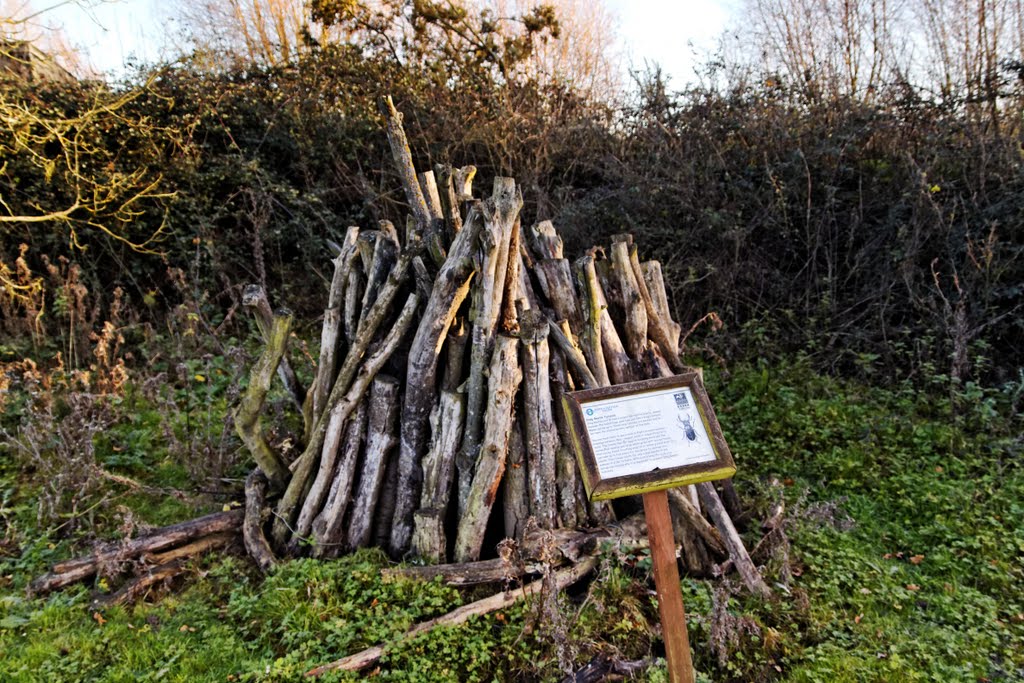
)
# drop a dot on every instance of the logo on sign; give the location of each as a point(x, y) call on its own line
point(682, 402)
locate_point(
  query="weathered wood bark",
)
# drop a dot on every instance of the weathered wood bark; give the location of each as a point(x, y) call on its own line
point(328, 527)
point(353, 295)
point(381, 439)
point(434, 238)
point(247, 415)
point(516, 496)
point(450, 290)
point(197, 547)
point(342, 403)
point(402, 157)
point(252, 529)
point(467, 573)
point(509, 319)
point(499, 214)
point(505, 377)
point(660, 326)
point(590, 306)
point(255, 299)
point(541, 436)
point(562, 579)
point(331, 330)
point(565, 459)
point(138, 587)
point(329, 473)
point(737, 552)
point(449, 200)
point(636, 312)
point(704, 529)
point(72, 571)
point(545, 241)
point(573, 356)
point(555, 279)
point(655, 283)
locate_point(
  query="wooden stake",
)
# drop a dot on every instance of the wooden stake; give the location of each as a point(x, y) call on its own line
point(666, 582)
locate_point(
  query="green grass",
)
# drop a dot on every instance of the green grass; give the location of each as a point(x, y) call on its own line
point(905, 515)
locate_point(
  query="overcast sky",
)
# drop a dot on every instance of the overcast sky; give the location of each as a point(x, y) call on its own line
point(667, 32)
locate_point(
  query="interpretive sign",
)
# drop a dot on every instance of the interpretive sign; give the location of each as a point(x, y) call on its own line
point(646, 436)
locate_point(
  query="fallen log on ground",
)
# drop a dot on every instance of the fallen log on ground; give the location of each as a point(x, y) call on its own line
point(361, 660)
point(108, 554)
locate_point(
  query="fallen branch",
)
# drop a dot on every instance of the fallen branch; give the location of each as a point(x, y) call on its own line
point(72, 571)
point(361, 660)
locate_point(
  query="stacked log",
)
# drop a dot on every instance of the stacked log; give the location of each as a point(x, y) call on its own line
point(434, 421)
point(435, 426)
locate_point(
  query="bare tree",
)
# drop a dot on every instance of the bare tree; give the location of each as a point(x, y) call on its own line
point(274, 31)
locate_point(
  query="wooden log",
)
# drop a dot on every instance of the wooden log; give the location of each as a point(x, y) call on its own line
point(381, 439)
point(343, 402)
point(635, 305)
point(561, 580)
point(574, 544)
point(402, 157)
point(386, 506)
point(328, 527)
point(72, 571)
point(455, 355)
point(434, 238)
point(450, 289)
point(503, 382)
point(333, 318)
point(465, 574)
point(655, 282)
point(573, 356)
point(252, 528)
point(541, 436)
point(463, 181)
point(555, 279)
point(591, 307)
point(516, 496)
point(449, 200)
point(737, 552)
point(565, 460)
point(681, 502)
point(544, 241)
point(352, 309)
point(429, 540)
point(255, 299)
point(509, 322)
point(247, 414)
point(139, 586)
point(197, 547)
point(499, 213)
point(659, 327)
point(328, 475)
point(385, 254)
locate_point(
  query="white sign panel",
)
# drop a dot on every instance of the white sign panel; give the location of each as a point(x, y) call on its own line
point(643, 432)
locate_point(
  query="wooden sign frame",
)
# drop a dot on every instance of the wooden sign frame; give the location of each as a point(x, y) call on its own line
point(603, 487)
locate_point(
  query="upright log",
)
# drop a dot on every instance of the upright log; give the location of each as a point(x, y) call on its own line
point(381, 439)
point(328, 527)
point(247, 415)
point(541, 440)
point(429, 540)
point(499, 215)
point(450, 289)
point(505, 377)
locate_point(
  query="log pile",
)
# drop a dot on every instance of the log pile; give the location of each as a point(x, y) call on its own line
point(433, 427)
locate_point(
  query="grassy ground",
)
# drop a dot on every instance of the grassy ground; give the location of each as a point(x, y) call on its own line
point(902, 556)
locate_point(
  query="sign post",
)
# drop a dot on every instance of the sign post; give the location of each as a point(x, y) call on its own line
point(643, 438)
point(666, 583)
